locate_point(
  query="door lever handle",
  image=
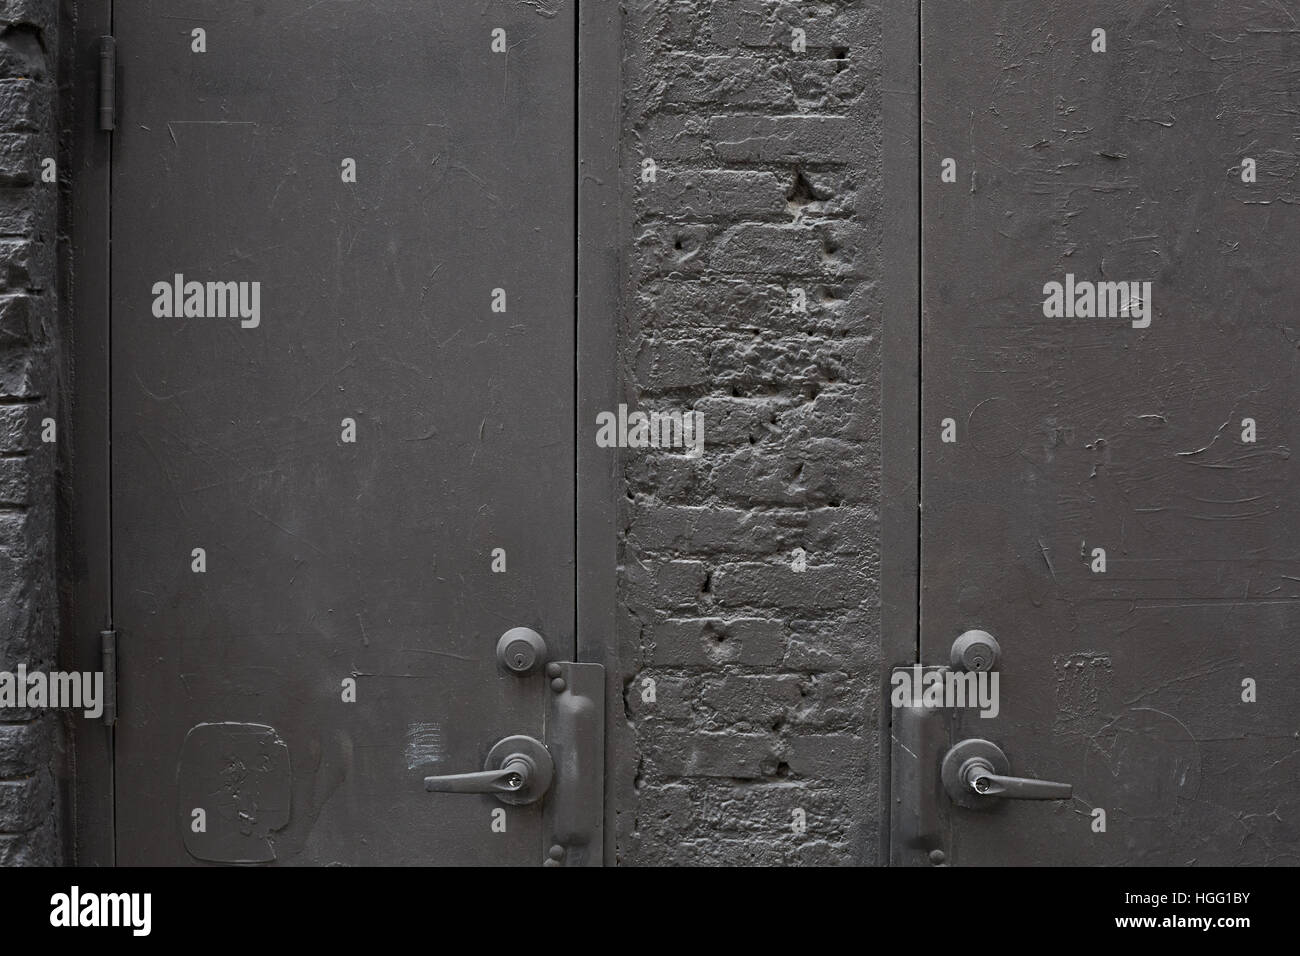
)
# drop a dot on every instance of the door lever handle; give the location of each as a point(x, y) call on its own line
point(511, 778)
point(975, 770)
point(517, 771)
point(980, 778)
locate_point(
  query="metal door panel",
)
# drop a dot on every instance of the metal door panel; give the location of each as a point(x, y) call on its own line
point(1078, 433)
point(329, 560)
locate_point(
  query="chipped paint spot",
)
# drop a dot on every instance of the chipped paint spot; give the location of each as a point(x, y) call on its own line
point(1080, 681)
point(545, 8)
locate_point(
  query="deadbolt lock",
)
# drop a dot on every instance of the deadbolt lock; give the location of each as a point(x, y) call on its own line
point(521, 651)
point(975, 651)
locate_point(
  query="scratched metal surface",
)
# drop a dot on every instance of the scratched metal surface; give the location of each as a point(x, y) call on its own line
point(1076, 434)
point(326, 559)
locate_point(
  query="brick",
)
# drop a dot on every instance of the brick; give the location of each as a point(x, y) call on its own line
point(793, 364)
point(21, 54)
point(712, 529)
point(700, 642)
point(737, 81)
point(676, 813)
point(816, 472)
point(750, 702)
point(792, 249)
point(699, 754)
point(788, 139)
point(761, 23)
point(849, 412)
point(776, 585)
point(849, 640)
point(791, 139)
point(745, 364)
point(18, 158)
point(731, 420)
point(17, 266)
point(672, 364)
point(845, 530)
point(19, 216)
point(21, 102)
point(20, 321)
point(18, 428)
point(829, 756)
point(24, 803)
point(24, 373)
point(15, 481)
point(712, 193)
point(674, 696)
point(37, 847)
point(748, 304)
point(24, 748)
point(665, 476)
point(34, 12)
point(832, 701)
point(828, 85)
point(667, 584)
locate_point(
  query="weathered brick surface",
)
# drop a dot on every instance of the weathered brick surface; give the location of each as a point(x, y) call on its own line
point(29, 833)
point(763, 677)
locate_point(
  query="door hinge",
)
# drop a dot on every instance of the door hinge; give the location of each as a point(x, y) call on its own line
point(107, 83)
point(108, 664)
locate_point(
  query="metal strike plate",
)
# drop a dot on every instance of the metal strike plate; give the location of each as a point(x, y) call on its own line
point(575, 737)
point(919, 737)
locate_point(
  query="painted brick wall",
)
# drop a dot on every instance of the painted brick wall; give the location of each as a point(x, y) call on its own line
point(767, 179)
point(28, 346)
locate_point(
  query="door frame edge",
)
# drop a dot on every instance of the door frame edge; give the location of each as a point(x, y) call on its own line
point(900, 379)
point(598, 313)
point(83, 521)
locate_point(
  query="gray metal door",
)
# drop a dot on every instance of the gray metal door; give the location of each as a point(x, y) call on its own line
point(346, 452)
point(1107, 486)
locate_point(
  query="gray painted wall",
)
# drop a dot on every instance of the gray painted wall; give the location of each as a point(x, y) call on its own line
point(767, 179)
point(29, 345)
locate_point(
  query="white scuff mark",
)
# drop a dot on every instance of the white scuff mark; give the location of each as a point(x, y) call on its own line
point(423, 745)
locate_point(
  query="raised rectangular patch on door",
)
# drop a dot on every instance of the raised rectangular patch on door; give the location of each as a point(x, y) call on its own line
point(233, 790)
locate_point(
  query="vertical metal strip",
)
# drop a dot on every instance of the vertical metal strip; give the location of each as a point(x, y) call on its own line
point(900, 372)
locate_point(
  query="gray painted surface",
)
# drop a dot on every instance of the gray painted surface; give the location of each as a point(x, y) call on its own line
point(600, 477)
point(900, 366)
point(327, 559)
point(1083, 433)
point(769, 178)
point(85, 531)
point(29, 393)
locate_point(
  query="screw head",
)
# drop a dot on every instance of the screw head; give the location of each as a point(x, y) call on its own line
point(558, 685)
point(557, 852)
point(937, 857)
point(553, 669)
